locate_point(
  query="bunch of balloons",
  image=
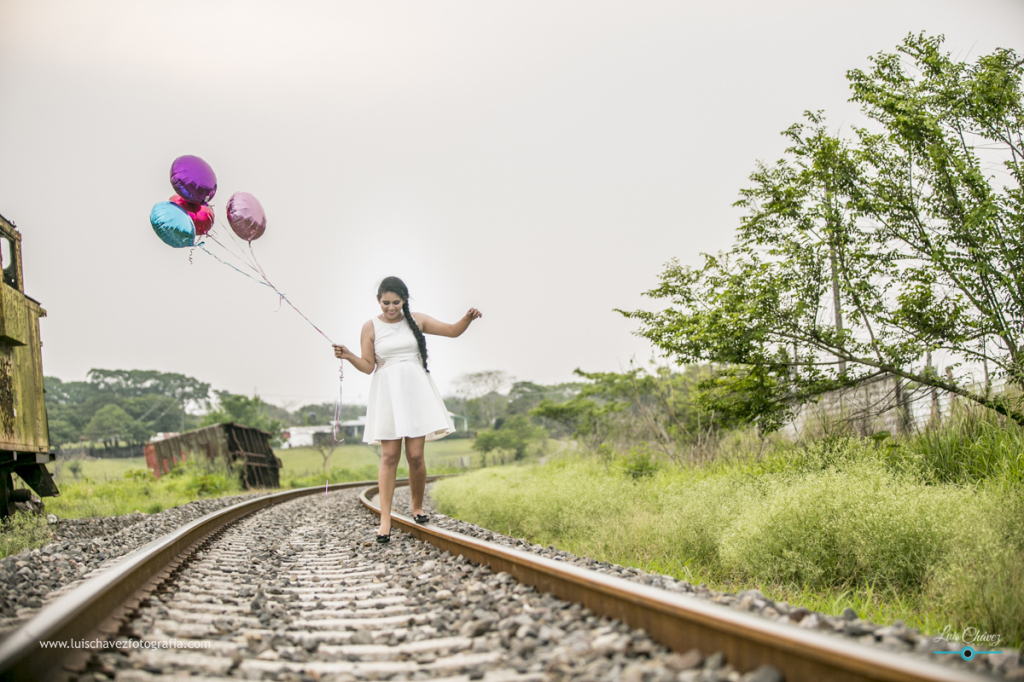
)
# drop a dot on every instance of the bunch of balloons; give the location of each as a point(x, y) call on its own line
point(188, 214)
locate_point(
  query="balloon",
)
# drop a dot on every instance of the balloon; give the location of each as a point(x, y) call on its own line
point(172, 224)
point(246, 216)
point(193, 179)
point(201, 214)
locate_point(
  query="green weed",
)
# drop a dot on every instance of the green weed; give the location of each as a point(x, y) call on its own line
point(841, 522)
point(22, 531)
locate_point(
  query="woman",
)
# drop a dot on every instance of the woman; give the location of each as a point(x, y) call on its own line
point(404, 403)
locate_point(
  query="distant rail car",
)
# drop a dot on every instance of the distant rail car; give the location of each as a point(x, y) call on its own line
point(24, 438)
point(231, 444)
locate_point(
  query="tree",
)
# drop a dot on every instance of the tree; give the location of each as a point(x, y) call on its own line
point(240, 409)
point(656, 406)
point(480, 396)
point(323, 413)
point(132, 383)
point(860, 257)
point(111, 424)
point(516, 434)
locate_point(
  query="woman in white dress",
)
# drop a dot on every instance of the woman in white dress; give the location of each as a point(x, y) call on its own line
point(404, 403)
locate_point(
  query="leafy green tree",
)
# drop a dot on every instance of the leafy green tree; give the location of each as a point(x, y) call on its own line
point(859, 258)
point(515, 434)
point(323, 413)
point(158, 401)
point(526, 395)
point(68, 392)
point(629, 407)
point(62, 431)
point(111, 424)
point(133, 383)
point(240, 409)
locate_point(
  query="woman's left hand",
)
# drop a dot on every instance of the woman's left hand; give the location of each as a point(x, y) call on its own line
point(473, 314)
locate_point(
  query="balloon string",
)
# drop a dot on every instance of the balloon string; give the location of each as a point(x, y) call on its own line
point(241, 259)
point(202, 246)
point(266, 282)
point(337, 423)
point(285, 298)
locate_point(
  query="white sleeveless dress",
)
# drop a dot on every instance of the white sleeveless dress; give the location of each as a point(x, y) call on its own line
point(404, 402)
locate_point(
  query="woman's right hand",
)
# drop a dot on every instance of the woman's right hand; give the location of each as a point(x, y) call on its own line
point(342, 353)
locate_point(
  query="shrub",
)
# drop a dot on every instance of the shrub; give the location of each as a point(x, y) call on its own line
point(22, 531)
point(841, 522)
point(638, 463)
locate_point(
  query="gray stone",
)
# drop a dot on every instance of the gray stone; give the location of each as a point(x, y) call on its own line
point(714, 661)
point(764, 673)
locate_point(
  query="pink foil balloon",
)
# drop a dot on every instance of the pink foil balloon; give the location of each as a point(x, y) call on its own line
point(193, 179)
point(246, 216)
point(201, 214)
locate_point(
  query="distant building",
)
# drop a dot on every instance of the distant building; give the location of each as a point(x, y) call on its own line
point(302, 436)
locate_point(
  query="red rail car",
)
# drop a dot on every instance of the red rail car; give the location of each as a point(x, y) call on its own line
point(231, 444)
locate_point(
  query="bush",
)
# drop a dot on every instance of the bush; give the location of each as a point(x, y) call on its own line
point(638, 462)
point(843, 522)
point(856, 526)
point(139, 490)
point(22, 531)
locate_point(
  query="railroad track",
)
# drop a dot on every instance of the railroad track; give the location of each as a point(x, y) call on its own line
point(292, 586)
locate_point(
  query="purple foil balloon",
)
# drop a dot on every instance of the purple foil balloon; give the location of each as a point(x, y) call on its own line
point(246, 216)
point(193, 179)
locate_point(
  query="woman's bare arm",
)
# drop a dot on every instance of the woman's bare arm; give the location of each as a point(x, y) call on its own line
point(366, 363)
point(429, 325)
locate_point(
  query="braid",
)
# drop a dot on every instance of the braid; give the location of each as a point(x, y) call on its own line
point(417, 333)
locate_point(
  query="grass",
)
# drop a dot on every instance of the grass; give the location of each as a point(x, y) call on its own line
point(94, 469)
point(22, 531)
point(442, 457)
point(111, 487)
point(139, 490)
point(894, 530)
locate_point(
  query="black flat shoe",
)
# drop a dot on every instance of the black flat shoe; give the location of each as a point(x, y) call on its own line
point(383, 539)
point(421, 518)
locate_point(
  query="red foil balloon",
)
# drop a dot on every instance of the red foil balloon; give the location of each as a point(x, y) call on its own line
point(246, 216)
point(201, 214)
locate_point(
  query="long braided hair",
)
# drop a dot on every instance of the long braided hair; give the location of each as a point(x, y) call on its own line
point(397, 286)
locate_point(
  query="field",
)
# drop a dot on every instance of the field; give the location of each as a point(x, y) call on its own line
point(110, 487)
point(444, 454)
point(926, 531)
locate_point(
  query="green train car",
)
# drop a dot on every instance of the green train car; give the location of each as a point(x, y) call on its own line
point(24, 439)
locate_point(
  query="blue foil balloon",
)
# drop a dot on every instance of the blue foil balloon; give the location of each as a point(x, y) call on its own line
point(173, 225)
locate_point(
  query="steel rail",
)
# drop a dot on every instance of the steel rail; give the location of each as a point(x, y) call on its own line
point(94, 609)
point(683, 623)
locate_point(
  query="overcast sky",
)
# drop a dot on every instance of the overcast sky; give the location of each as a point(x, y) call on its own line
point(540, 161)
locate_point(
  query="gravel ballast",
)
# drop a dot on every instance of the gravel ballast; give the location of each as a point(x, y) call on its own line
point(81, 547)
point(277, 560)
point(302, 591)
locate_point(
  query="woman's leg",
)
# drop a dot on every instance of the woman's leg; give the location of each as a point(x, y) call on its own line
point(390, 454)
point(417, 471)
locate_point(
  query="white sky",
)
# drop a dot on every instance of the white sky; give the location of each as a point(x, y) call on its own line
point(537, 160)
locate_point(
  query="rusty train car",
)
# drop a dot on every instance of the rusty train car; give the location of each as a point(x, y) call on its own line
point(24, 438)
point(231, 444)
